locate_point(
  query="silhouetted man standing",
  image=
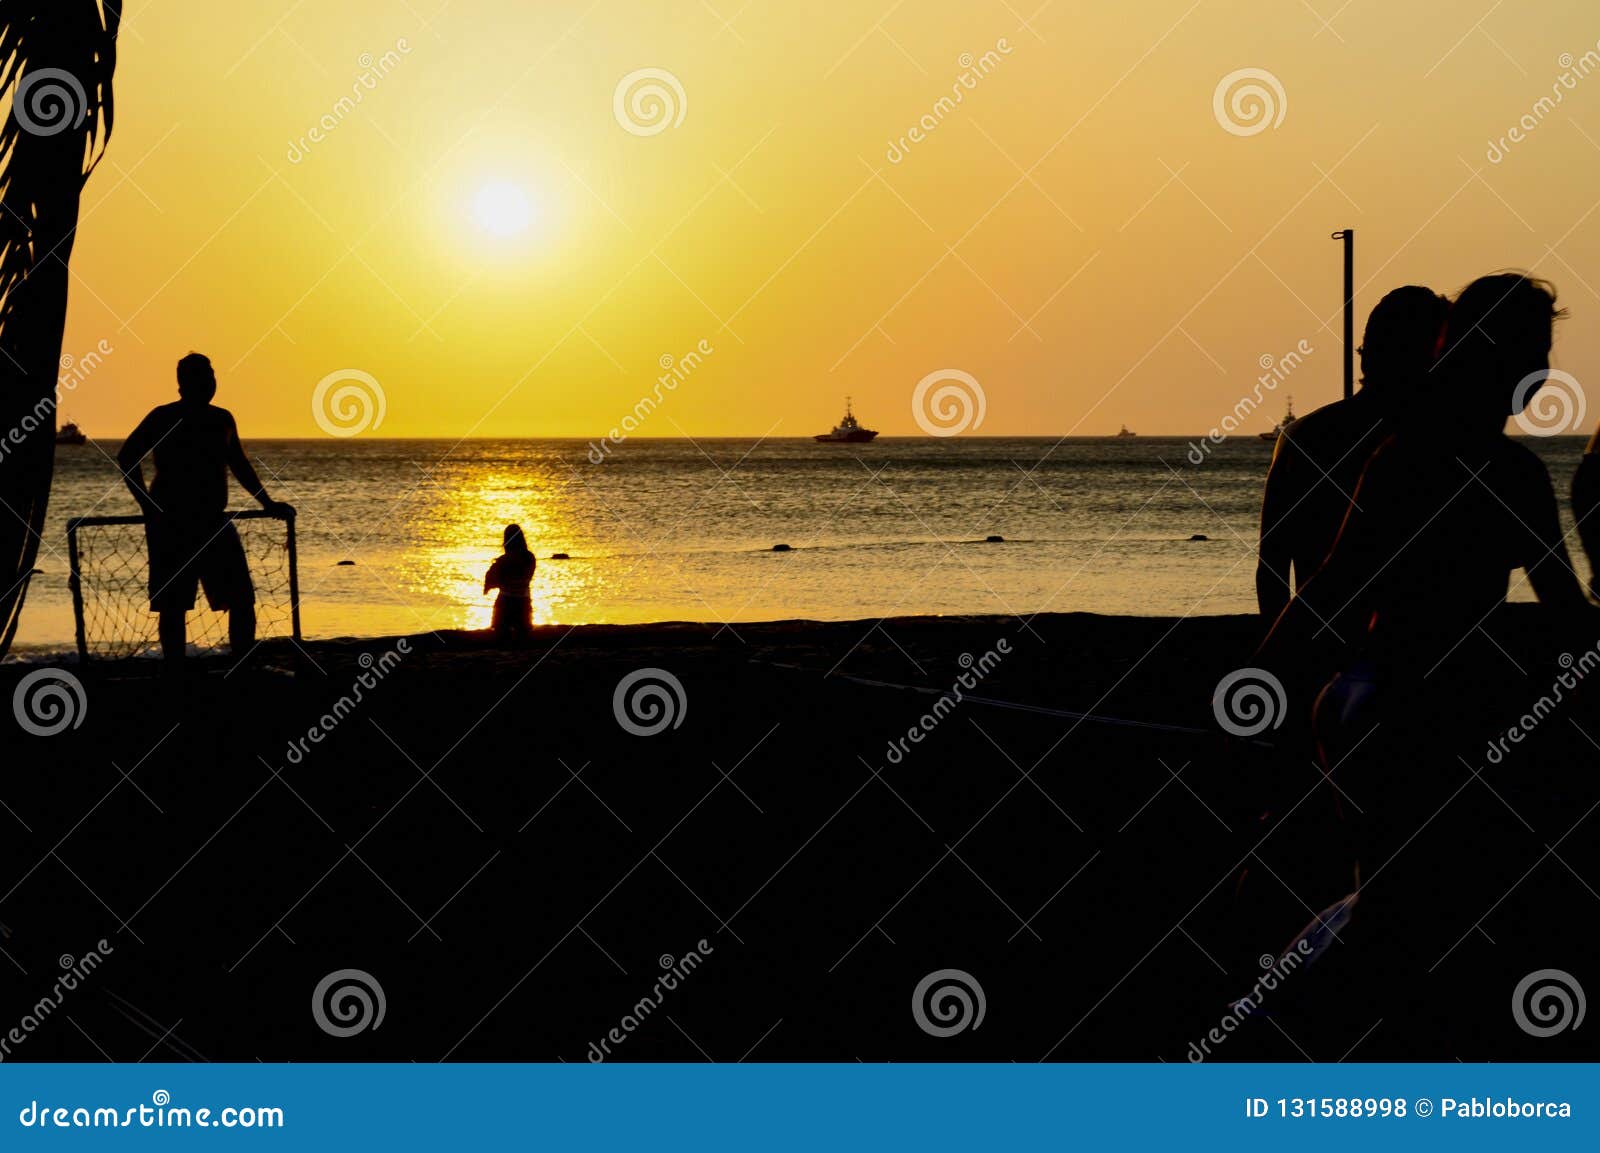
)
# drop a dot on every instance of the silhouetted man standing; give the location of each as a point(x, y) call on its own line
point(1320, 457)
point(191, 540)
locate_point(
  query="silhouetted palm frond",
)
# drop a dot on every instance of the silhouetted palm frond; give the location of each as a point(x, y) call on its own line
point(56, 63)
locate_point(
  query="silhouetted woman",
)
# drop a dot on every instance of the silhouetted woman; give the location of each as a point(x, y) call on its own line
point(512, 573)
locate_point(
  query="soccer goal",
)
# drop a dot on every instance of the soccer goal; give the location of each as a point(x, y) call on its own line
point(111, 576)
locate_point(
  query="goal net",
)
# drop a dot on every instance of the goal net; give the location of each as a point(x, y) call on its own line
point(111, 586)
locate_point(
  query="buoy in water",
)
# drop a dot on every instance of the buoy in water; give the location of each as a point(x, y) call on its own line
point(994, 540)
point(1199, 536)
point(781, 548)
point(559, 556)
point(344, 564)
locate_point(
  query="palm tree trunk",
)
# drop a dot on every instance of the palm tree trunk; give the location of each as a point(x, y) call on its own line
point(57, 58)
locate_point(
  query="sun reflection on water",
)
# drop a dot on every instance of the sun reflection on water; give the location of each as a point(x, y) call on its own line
point(459, 532)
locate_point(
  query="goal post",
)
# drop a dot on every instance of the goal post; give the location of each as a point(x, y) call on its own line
point(110, 577)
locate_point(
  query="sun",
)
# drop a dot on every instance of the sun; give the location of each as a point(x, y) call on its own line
point(502, 209)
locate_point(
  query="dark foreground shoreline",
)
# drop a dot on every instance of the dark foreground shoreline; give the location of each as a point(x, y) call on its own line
point(475, 828)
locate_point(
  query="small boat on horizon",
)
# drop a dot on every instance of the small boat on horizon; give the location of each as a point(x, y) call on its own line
point(847, 431)
point(70, 433)
point(1126, 433)
point(1288, 419)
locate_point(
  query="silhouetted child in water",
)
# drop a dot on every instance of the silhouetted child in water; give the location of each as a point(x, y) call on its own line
point(512, 573)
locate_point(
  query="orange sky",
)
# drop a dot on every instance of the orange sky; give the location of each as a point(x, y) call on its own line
point(1079, 234)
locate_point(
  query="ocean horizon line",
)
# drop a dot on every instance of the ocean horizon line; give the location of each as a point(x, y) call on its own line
point(299, 438)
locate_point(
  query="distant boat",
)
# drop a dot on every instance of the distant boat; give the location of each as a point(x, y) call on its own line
point(1126, 433)
point(847, 431)
point(70, 433)
point(1288, 419)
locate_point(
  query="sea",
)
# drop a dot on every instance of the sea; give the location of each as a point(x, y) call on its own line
point(394, 536)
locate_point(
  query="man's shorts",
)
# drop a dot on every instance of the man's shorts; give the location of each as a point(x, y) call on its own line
point(189, 552)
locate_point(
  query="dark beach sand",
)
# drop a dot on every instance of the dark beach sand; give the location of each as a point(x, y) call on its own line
point(557, 859)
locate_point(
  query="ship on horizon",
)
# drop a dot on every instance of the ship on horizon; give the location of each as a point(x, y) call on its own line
point(847, 431)
point(1288, 419)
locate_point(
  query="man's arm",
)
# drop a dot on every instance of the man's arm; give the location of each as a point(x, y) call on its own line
point(240, 464)
point(130, 459)
point(1276, 546)
point(1586, 508)
point(1549, 567)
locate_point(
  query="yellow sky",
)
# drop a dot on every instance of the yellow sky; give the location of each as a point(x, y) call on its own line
point(1080, 233)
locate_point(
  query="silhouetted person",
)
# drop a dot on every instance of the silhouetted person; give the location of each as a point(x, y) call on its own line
point(191, 540)
point(1446, 510)
point(1586, 508)
point(512, 573)
point(1449, 506)
point(1410, 594)
point(1319, 457)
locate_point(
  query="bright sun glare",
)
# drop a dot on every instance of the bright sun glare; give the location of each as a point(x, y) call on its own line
point(502, 209)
